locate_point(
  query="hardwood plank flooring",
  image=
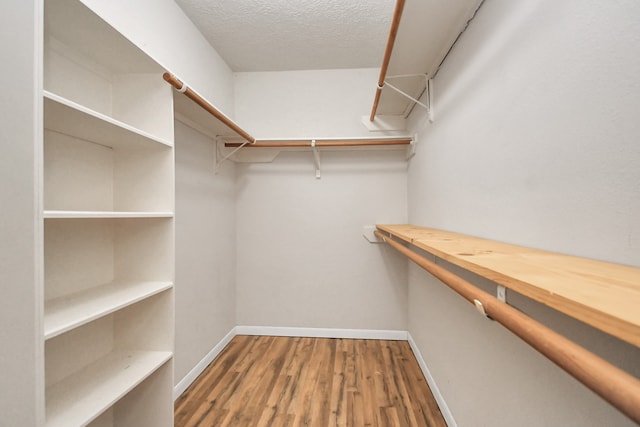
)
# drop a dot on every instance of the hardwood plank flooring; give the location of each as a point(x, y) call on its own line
point(293, 382)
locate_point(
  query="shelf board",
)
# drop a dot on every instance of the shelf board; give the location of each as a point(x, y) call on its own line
point(66, 313)
point(603, 295)
point(82, 397)
point(51, 214)
point(67, 117)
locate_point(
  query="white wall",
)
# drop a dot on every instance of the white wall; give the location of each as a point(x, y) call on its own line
point(163, 31)
point(302, 261)
point(306, 104)
point(535, 142)
point(21, 352)
point(205, 248)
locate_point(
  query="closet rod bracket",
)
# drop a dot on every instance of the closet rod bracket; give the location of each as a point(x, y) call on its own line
point(411, 149)
point(428, 88)
point(480, 308)
point(316, 157)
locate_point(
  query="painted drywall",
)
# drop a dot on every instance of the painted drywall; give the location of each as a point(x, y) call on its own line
point(302, 260)
point(535, 142)
point(21, 355)
point(205, 249)
point(306, 104)
point(163, 31)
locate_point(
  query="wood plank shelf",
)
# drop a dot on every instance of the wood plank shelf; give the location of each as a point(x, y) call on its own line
point(55, 214)
point(603, 295)
point(82, 397)
point(66, 313)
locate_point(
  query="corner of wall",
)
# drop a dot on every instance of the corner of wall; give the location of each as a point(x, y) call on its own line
point(442, 404)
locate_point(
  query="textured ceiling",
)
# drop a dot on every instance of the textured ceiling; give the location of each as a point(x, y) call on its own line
point(276, 35)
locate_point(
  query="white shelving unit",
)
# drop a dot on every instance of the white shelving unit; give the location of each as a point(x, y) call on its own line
point(108, 176)
point(105, 214)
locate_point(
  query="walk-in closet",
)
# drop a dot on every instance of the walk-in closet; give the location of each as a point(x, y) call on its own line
point(320, 213)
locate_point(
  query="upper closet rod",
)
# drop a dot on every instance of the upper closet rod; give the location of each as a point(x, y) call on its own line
point(324, 143)
point(395, 24)
point(183, 88)
point(614, 385)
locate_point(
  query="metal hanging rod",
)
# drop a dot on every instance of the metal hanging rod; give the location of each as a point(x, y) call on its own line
point(614, 385)
point(183, 88)
point(395, 24)
point(322, 143)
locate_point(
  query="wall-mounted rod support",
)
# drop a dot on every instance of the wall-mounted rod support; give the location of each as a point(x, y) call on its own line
point(183, 88)
point(617, 387)
point(391, 40)
point(406, 95)
point(323, 143)
point(316, 158)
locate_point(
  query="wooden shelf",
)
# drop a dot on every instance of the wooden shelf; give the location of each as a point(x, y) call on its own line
point(82, 397)
point(67, 117)
point(603, 295)
point(66, 313)
point(54, 214)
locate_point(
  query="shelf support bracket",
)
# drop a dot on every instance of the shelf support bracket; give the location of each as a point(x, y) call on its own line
point(225, 158)
point(501, 293)
point(428, 89)
point(316, 157)
point(411, 149)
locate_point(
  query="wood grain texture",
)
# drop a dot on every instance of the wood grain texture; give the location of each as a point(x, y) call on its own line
point(601, 294)
point(611, 383)
point(373, 142)
point(283, 381)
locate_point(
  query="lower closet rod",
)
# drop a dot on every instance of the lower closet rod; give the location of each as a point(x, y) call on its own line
point(323, 143)
point(614, 385)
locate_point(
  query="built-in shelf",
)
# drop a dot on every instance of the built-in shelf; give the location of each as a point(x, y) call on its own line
point(82, 397)
point(103, 214)
point(67, 117)
point(601, 294)
point(66, 313)
point(108, 233)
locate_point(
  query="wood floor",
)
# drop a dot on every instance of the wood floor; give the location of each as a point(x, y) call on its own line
point(281, 381)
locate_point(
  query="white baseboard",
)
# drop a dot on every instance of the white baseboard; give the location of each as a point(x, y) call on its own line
point(202, 365)
point(322, 333)
point(446, 413)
